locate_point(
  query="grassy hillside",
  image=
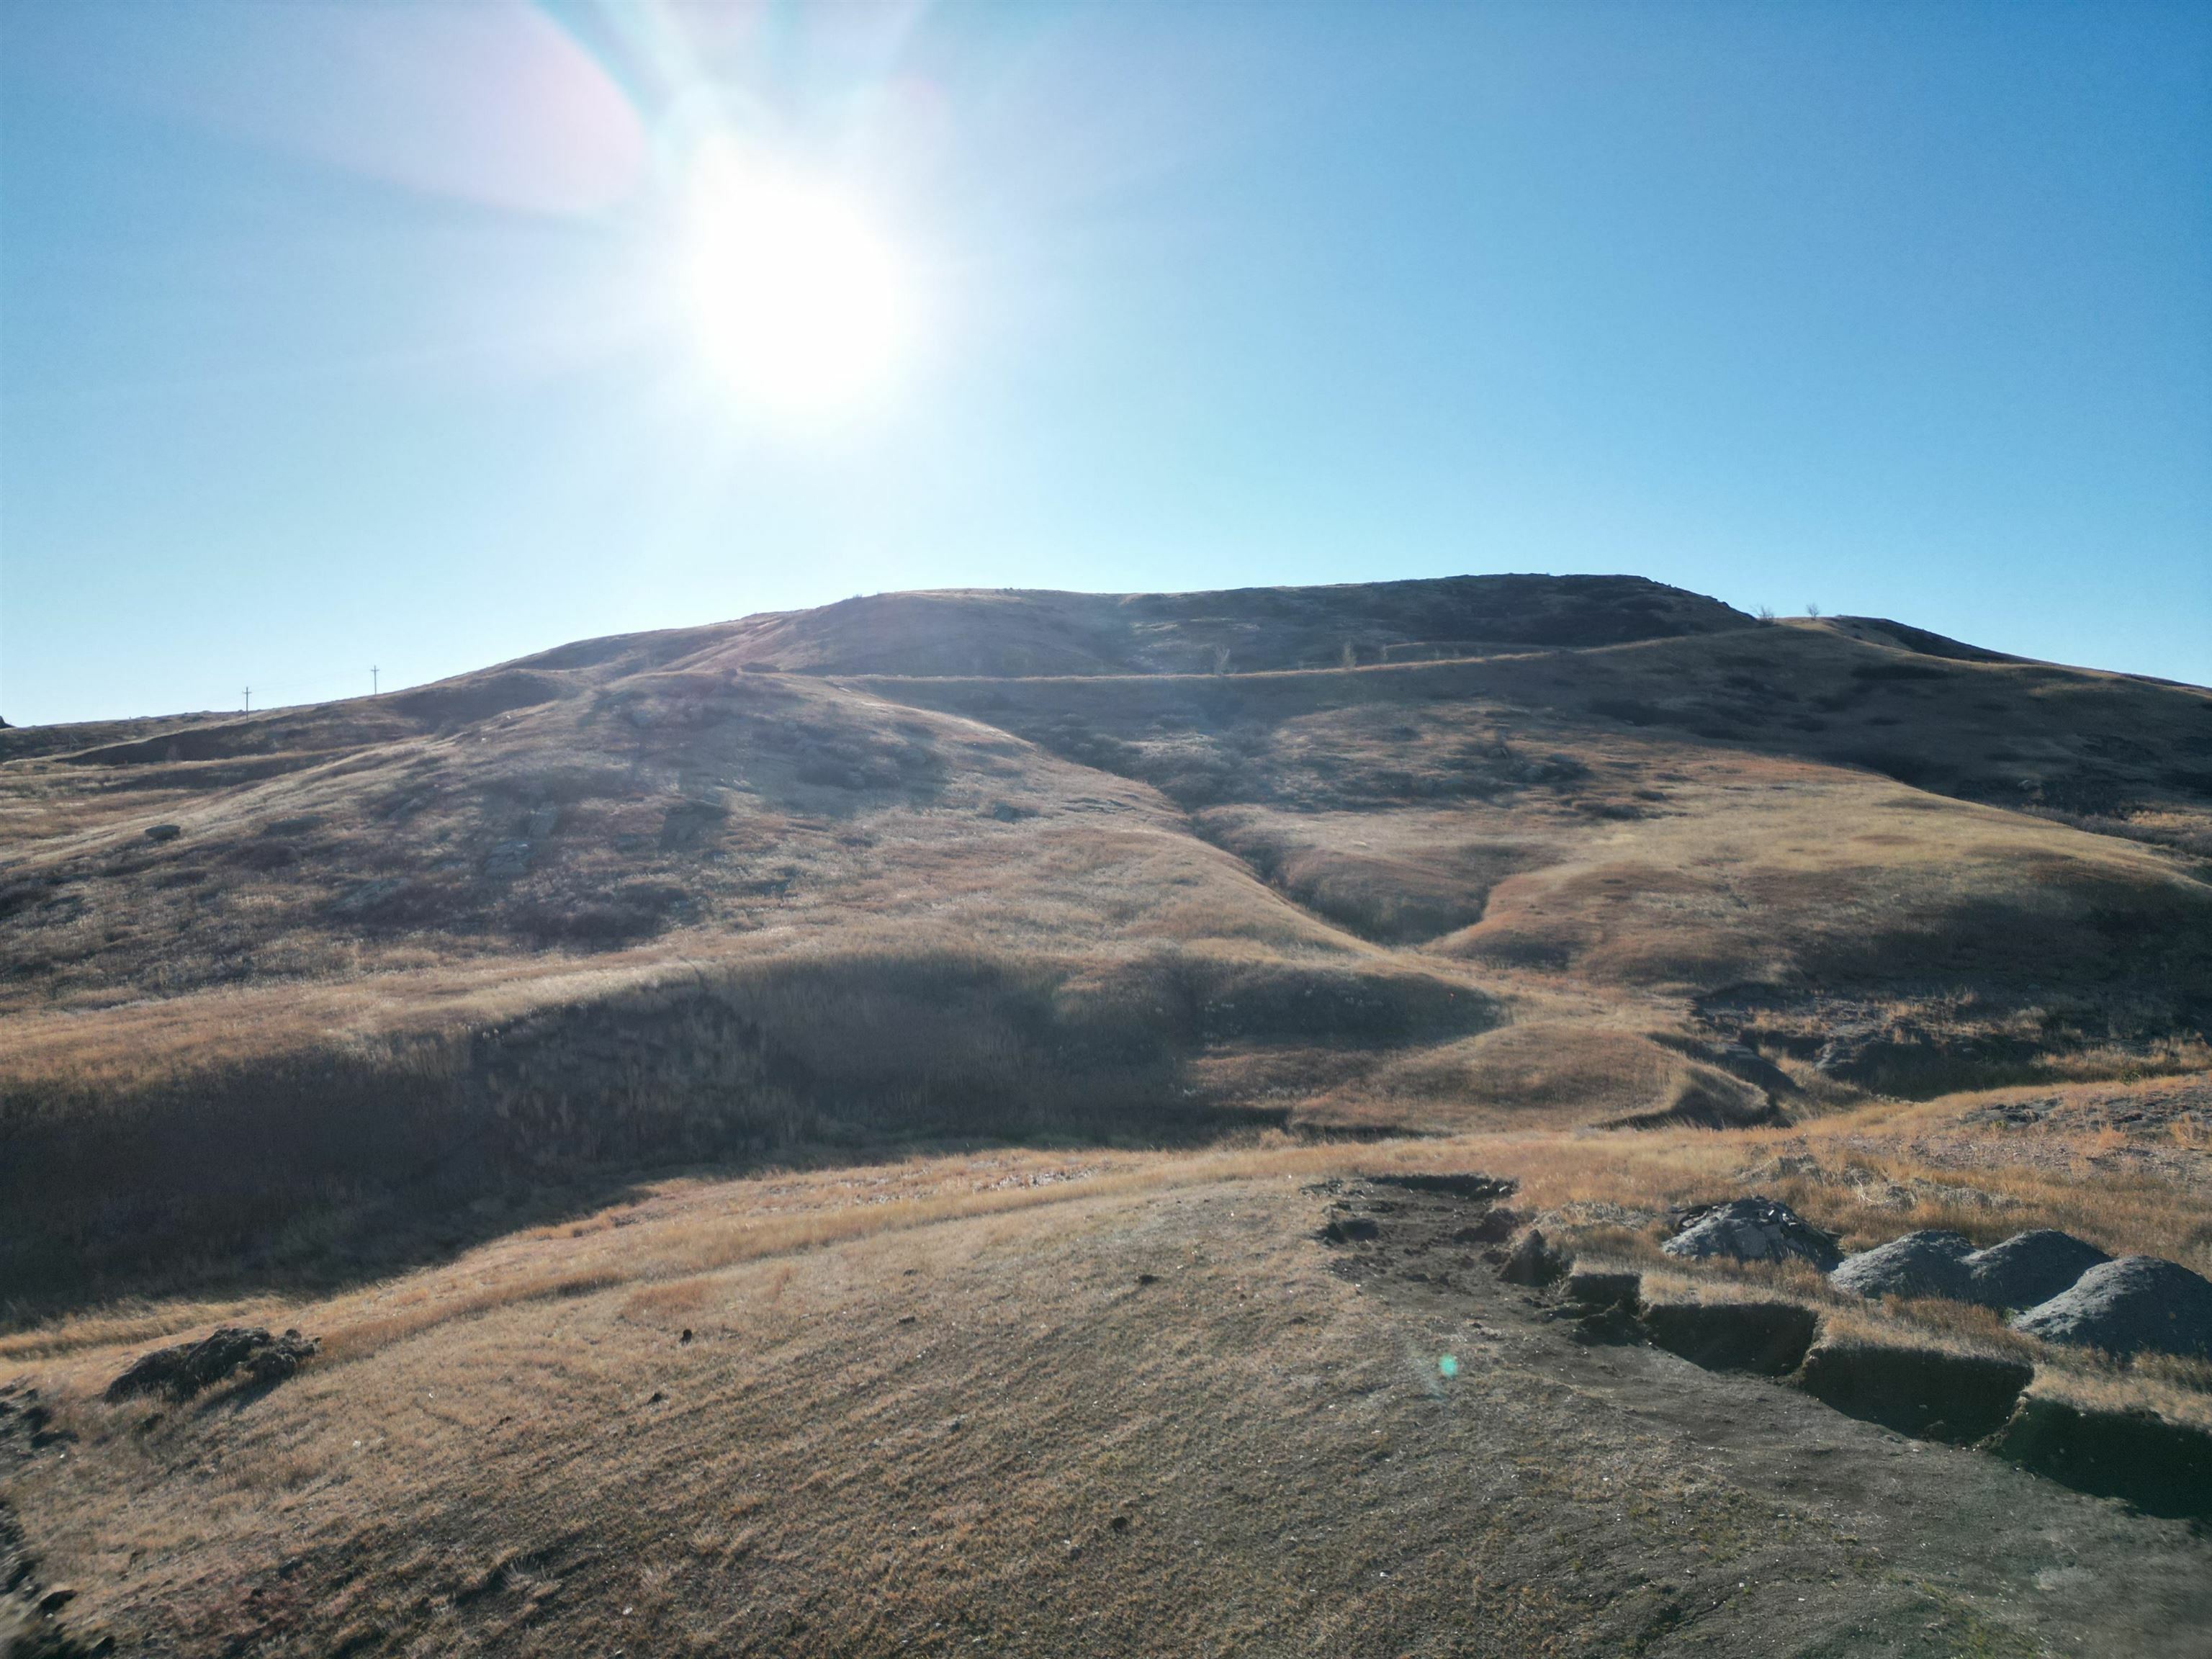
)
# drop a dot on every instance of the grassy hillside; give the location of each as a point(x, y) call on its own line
point(819, 1134)
point(1409, 857)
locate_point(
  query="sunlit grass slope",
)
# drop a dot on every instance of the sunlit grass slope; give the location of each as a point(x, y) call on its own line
point(1114, 1403)
point(1410, 856)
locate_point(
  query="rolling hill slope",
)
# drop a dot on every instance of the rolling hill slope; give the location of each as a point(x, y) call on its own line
point(1403, 857)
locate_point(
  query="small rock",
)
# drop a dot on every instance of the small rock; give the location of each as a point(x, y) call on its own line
point(1344, 1229)
point(159, 832)
point(2126, 1306)
point(686, 1337)
point(2029, 1268)
point(1751, 1230)
point(1930, 1263)
point(56, 1599)
point(281, 1358)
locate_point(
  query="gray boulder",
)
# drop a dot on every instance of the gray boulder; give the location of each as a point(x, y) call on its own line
point(2127, 1306)
point(1751, 1229)
point(1927, 1263)
point(2029, 1268)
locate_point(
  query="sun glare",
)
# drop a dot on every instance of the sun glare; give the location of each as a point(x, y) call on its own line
point(799, 306)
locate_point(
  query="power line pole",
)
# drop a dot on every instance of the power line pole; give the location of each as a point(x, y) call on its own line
point(371, 679)
point(249, 700)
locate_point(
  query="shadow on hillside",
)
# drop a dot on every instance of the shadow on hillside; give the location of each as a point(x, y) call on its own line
point(303, 1172)
point(321, 1246)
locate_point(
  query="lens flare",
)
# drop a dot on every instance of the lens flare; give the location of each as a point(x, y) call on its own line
point(799, 306)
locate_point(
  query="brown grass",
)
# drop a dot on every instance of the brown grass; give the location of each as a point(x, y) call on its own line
point(130, 1323)
point(1868, 1175)
point(534, 1390)
point(358, 1338)
point(779, 915)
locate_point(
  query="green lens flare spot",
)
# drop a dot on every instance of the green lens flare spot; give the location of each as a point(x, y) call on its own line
point(1449, 1365)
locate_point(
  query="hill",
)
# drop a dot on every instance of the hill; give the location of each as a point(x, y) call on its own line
point(1006, 1121)
point(1406, 856)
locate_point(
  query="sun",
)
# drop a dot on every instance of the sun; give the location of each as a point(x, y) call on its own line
point(800, 307)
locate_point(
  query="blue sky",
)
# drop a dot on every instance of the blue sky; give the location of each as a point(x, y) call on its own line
point(340, 336)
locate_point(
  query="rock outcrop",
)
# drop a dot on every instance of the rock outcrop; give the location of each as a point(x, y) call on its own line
point(192, 1367)
point(1751, 1230)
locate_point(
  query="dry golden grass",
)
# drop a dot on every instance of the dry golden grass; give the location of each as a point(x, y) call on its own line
point(2139, 1388)
point(359, 1338)
point(920, 1396)
point(1477, 888)
point(1868, 1175)
point(767, 915)
point(130, 1323)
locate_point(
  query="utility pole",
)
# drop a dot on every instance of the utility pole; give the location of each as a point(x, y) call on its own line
point(371, 679)
point(249, 700)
